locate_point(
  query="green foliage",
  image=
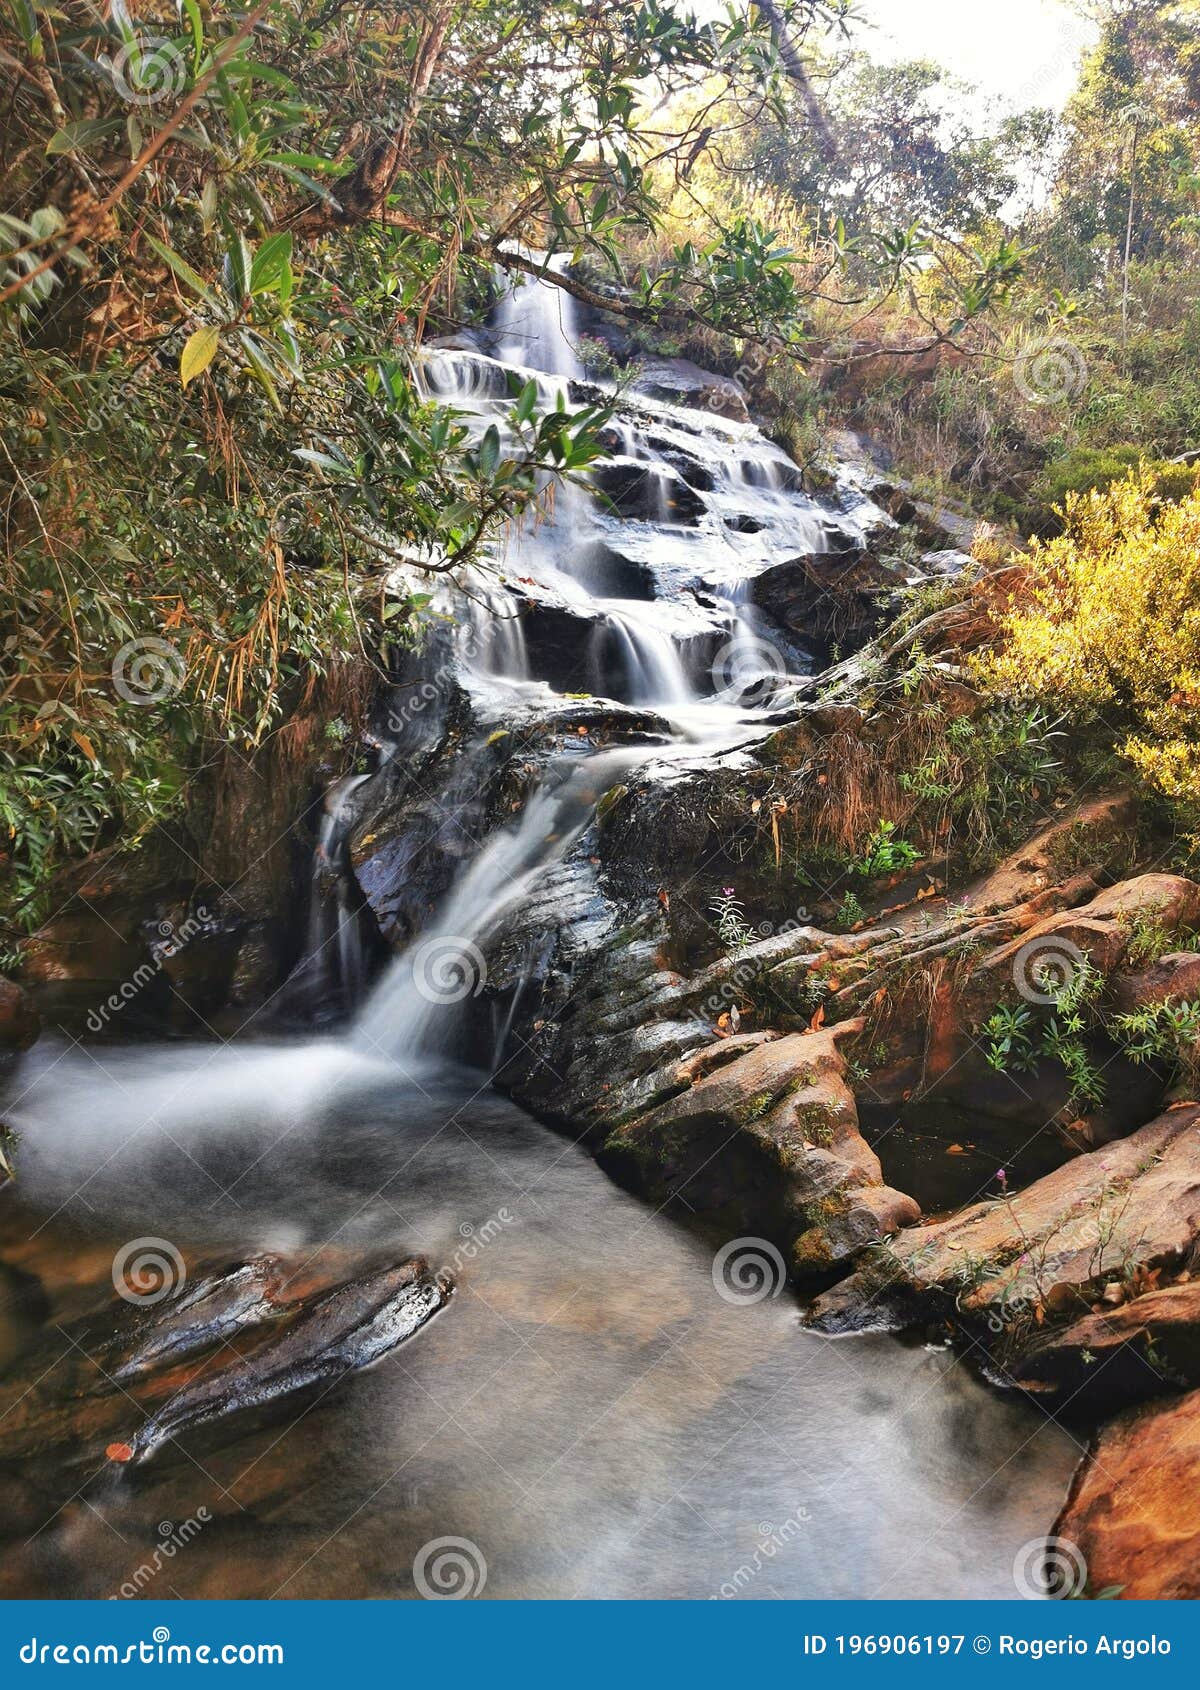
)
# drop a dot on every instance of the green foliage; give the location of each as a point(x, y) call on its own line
point(885, 853)
point(850, 913)
point(1167, 1034)
point(1109, 626)
point(1148, 937)
point(220, 252)
point(1086, 469)
point(1017, 1040)
point(1009, 1031)
point(729, 916)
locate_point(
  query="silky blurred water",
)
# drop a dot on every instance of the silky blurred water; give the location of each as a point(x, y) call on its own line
point(588, 1412)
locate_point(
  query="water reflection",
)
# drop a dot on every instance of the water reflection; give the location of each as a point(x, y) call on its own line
point(588, 1411)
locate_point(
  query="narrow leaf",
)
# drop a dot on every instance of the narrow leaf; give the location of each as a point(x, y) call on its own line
point(199, 352)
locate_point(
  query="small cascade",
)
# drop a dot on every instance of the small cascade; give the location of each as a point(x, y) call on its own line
point(747, 669)
point(491, 638)
point(536, 324)
point(332, 974)
point(407, 1016)
point(648, 662)
point(684, 514)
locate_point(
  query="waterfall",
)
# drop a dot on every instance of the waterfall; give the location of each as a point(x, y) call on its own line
point(409, 1015)
point(333, 969)
point(688, 510)
point(537, 324)
point(492, 637)
point(653, 669)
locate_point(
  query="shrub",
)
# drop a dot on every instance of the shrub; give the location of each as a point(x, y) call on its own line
point(1089, 469)
point(1110, 624)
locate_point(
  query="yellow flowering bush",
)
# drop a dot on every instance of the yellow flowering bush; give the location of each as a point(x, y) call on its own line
point(1110, 623)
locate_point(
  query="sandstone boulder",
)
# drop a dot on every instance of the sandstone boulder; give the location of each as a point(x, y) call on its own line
point(1133, 1205)
point(1132, 1509)
point(763, 1137)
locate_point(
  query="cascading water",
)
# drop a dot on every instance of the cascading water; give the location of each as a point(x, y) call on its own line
point(333, 971)
point(536, 323)
point(589, 1413)
point(687, 502)
point(411, 1013)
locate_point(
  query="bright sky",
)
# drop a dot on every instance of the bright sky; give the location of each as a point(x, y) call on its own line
point(1025, 51)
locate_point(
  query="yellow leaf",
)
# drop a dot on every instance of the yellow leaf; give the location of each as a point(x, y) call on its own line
point(84, 744)
point(199, 352)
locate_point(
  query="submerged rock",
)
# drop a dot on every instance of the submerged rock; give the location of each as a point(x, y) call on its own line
point(228, 1354)
point(329, 1338)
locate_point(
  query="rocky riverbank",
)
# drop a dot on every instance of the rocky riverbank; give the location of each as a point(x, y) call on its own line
point(948, 1078)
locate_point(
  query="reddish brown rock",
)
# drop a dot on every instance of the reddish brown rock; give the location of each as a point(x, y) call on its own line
point(1133, 1205)
point(19, 1022)
point(1171, 979)
point(764, 1138)
point(1132, 1509)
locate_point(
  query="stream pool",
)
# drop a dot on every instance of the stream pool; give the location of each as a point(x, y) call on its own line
point(589, 1415)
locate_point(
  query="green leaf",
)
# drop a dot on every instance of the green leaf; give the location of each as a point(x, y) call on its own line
point(197, 23)
point(183, 270)
point(75, 137)
point(489, 451)
point(271, 262)
point(527, 403)
point(237, 267)
point(199, 352)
